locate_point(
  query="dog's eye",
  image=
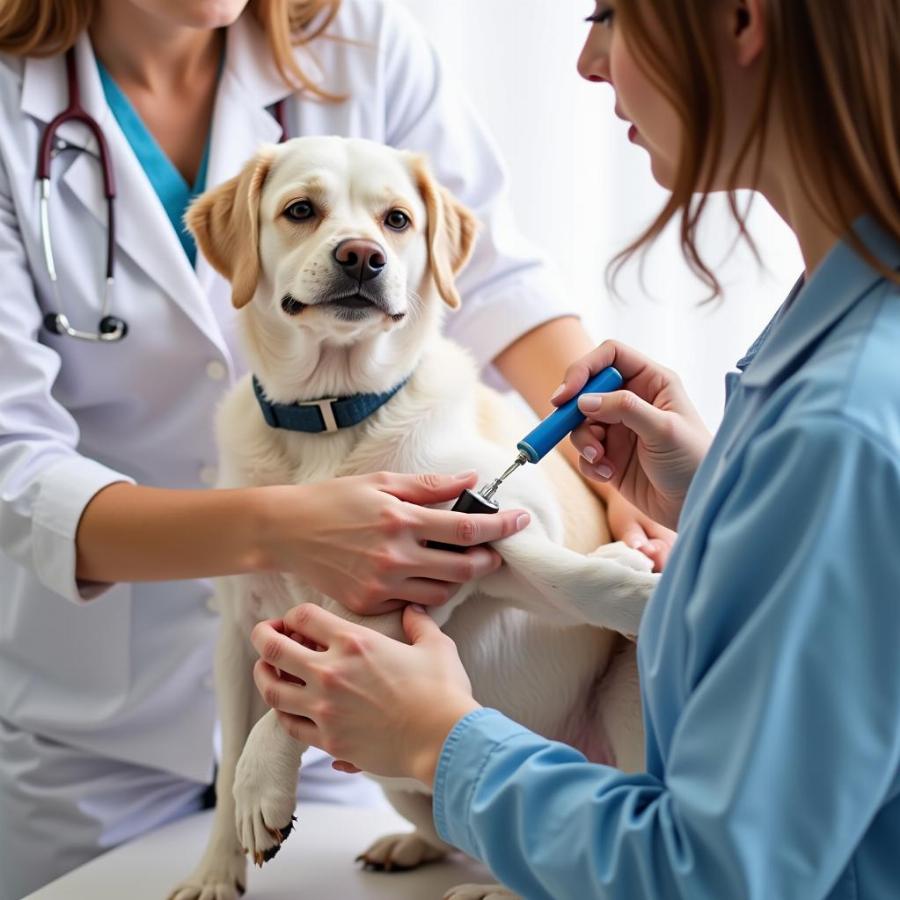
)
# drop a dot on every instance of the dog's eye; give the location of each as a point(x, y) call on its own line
point(397, 220)
point(300, 211)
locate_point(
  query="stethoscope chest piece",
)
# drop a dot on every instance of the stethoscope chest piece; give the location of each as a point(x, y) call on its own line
point(109, 328)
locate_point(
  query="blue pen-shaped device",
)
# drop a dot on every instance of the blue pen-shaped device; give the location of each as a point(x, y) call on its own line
point(535, 446)
point(541, 440)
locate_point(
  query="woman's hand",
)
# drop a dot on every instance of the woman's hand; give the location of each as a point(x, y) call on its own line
point(629, 525)
point(647, 439)
point(371, 702)
point(360, 539)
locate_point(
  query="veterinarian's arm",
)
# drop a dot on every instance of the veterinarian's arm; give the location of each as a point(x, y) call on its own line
point(357, 539)
point(787, 744)
point(534, 366)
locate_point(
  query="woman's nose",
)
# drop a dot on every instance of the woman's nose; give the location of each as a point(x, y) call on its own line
point(593, 62)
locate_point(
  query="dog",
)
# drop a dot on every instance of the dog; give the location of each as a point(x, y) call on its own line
point(342, 255)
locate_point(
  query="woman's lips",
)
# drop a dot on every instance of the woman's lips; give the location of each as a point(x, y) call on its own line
point(632, 134)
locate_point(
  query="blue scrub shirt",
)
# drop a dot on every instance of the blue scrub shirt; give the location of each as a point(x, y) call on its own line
point(768, 653)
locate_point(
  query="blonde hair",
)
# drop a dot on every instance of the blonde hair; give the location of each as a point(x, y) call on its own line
point(834, 72)
point(50, 27)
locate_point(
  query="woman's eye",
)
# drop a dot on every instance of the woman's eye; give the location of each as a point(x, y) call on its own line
point(397, 220)
point(602, 17)
point(300, 211)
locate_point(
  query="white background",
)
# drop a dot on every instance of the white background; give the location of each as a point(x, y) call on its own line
point(581, 191)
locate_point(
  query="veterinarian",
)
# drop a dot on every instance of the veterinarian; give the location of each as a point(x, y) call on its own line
point(107, 523)
point(768, 653)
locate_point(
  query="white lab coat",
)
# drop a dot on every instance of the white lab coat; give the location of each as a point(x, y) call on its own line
point(128, 674)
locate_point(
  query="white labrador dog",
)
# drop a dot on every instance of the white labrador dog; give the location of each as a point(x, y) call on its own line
point(342, 255)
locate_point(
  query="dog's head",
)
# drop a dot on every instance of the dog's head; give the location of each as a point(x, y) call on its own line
point(335, 242)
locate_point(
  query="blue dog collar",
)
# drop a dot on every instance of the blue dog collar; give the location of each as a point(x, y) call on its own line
point(328, 414)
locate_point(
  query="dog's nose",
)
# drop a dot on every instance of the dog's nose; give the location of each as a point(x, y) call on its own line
point(361, 260)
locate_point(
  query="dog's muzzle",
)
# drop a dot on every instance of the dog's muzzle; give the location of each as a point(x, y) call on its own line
point(351, 306)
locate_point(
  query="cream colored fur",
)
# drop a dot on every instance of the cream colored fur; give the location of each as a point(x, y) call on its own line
point(562, 602)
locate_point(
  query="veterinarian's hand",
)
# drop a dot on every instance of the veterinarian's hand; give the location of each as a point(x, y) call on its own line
point(373, 703)
point(360, 539)
point(647, 439)
point(629, 525)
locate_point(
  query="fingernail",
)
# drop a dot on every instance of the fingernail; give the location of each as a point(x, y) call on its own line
point(589, 453)
point(589, 402)
point(604, 471)
point(522, 521)
point(558, 392)
point(417, 607)
point(464, 476)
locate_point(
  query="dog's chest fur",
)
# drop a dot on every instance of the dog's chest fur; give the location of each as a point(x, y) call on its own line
point(427, 426)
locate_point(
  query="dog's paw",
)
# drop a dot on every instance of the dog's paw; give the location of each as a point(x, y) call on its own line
point(398, 852)
point(621, 553)
point(221, 878)
point(263, 812)
point(480, 892)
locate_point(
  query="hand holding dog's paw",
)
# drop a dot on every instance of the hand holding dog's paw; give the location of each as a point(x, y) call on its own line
point(480, 892)
point(361, 683)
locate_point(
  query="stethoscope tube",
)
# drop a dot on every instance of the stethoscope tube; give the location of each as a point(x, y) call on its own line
point(110, 328)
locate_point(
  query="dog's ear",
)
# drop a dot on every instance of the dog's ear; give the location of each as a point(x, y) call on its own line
point(452, 229)
point(225, 224)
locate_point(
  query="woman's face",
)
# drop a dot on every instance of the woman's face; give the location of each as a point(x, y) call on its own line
point(738, 31)
point(606, 57)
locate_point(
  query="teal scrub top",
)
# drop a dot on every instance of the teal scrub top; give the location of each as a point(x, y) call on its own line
point(173, 191)
point(768, 654)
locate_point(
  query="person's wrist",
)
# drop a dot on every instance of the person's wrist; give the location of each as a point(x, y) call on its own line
point(426, 749)
point(263, 527)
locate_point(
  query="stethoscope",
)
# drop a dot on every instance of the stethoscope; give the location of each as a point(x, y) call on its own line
point(110, 328)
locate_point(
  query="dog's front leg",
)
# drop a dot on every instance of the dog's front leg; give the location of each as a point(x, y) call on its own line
point(607, 588)
point(265, 788)
point(222, 871)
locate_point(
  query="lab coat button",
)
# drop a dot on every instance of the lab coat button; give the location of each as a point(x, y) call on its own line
point(211, 604)
point(216, 370)
point(208, 475)
point(209, 682)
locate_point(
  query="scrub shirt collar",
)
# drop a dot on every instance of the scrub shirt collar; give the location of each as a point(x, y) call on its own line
point(840, 281)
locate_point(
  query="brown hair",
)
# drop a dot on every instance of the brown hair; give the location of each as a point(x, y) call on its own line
point(50, 27)
point(833, 70)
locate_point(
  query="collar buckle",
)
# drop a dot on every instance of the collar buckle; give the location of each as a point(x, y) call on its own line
point(327, 413)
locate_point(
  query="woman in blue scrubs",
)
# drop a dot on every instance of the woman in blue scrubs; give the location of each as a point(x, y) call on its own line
point(768, 652)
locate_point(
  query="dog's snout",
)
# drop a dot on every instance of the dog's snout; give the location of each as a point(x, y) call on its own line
point(362, 260)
